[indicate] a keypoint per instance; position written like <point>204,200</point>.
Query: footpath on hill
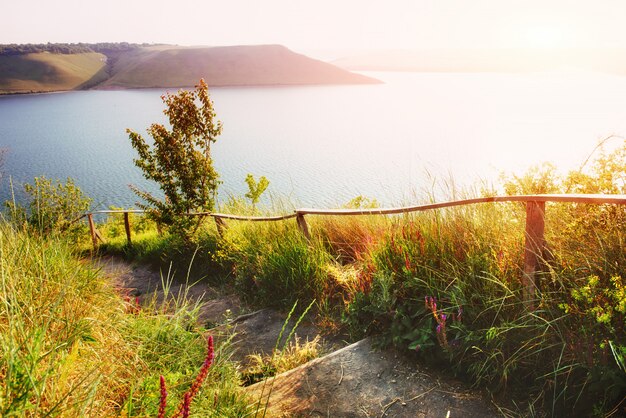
<point>354,380</point>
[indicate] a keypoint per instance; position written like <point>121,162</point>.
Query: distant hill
<point>111,66</point>
<point>44,71</point>
<point>488,60</point>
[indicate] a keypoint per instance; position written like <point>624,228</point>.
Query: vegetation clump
<point>53,206</point>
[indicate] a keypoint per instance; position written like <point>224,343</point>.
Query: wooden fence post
<point>92,231</point>
<point>303,226</point>
<point>221,225</point>
<point>534,247</point>
<point>127,227</point>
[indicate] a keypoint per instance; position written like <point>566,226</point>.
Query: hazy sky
<point>320,24</point>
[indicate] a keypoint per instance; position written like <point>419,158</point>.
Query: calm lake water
<point>321,146</point>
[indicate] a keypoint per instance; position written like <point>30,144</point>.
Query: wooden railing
<point>534,233</point>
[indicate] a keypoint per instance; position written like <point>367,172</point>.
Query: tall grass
<point>468,260</point>
<point>273,263</point>
<point>565,356</point>
<point>61,348</point>
<point>70,345</point>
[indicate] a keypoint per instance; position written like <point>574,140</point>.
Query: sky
<point>318,25</point>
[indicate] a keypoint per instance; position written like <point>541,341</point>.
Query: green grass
<point>368,276</point>
<point>43,72</point>
<point>70,345</point>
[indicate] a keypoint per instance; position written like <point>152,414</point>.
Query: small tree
<point>256,189</point>
<point>180,159</point>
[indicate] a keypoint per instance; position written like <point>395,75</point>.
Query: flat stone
<point>359,381</point>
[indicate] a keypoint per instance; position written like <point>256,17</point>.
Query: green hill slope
<point>166,66</point>
<point>44,72</point>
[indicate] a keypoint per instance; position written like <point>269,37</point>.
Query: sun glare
<point>544,37</point>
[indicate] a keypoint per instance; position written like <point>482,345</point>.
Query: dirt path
<point>353,381</point>
<point>255,332</point>
<point>142,282</point>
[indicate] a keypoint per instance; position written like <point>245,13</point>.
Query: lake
<point>320,146</point>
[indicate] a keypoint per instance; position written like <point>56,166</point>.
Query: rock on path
<point>358,381</point>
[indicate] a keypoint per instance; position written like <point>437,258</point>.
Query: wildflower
<point>183,408</point>
<point>186,403</point>
<point>163,402</point>
<point>407,262</point>
<point>441,318</point>
<point>441,332</point>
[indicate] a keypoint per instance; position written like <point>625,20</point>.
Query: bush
<point>53,206</point>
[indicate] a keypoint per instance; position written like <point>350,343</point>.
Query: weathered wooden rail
<point>534,233</point>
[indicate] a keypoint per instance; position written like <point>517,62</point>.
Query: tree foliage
<point>256,189</point>
<point>179,159</point>
<point>65,48</point>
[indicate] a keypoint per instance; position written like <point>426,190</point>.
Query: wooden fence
<point>534,233</point>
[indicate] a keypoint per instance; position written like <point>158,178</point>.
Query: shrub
<point>53,206</point>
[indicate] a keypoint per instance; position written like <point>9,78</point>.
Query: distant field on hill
<point>167,66</point>
<point>44,72</point>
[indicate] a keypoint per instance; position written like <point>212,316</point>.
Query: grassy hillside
<point>43,72</point>
<point>224,66</point>
<point>167,66</point>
